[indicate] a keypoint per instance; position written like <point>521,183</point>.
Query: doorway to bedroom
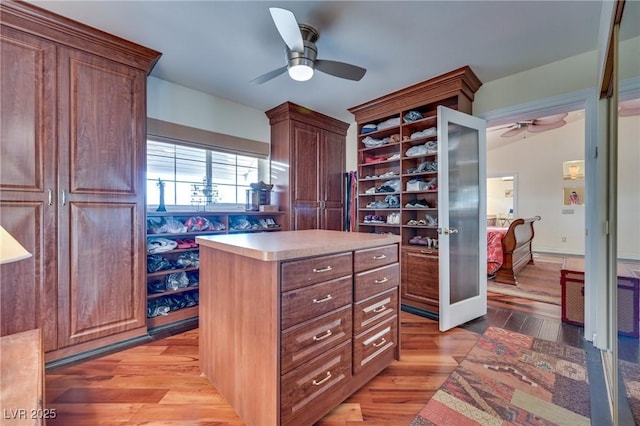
<point>528,176</point>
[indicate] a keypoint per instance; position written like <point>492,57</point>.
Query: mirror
<point>628,197</point>
<point>501,199</point>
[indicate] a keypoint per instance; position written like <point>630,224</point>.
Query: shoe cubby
<point>398,134</point>
<point>173,257</point>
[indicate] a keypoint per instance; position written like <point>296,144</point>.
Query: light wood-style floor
<point>159,383</point>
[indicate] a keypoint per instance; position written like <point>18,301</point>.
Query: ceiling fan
<point>301,52</point>
<point>534,126</point>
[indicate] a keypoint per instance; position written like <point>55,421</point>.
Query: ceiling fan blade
<point>268,76</point>
<point>550,119</point>
<point>537,128</point>
<point>514,131</point>
<point>288,28</point>
<point>506,126</point>
<point>340,69</point>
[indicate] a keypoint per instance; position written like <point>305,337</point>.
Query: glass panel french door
<point>462,217</point>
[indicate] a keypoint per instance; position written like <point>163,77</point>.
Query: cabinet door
<point>305,163</point>
<point>27,178</point>
<point>420,279</point>
<point>331,176</point>
<point>101,214</point>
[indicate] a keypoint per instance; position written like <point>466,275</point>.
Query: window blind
<point>164,131</point>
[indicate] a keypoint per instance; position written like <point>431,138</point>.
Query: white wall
<point>498,203</point>
<point>178,104</point>
<point>171,102</point>
<point>629,187</point>
<point>566,76</point>
<point>537,159</point>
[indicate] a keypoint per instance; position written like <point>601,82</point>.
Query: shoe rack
<point>172,291</point>
<point>398,169</point>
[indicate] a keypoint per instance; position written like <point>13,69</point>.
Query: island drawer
<point>376,341</point>
<point>300,273</point>
<point>375,257</point>
<point>305,303</point>
<point>370,312</point>
<point>310,339</point>
<point>370,283</point>
<point>312,383</point>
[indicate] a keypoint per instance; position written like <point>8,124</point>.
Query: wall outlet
<point>564,239</point>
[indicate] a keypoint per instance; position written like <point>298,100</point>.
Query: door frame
<point>595,321</point>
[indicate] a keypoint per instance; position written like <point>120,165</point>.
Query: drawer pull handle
<point>426,252</point>
<point>324,336</point>
<point>379,309</point>
<point>327,269</point>
<point>324,299</point>
<point>319,382</point>
<point>378,344</point>
<point>380,257</point>
<point>381,281</point>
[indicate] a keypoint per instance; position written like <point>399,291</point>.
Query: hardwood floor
<point>160,382</point>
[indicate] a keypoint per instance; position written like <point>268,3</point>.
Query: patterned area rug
<point>540,281</point>
<point>510,378</point>
<point>631,378</point>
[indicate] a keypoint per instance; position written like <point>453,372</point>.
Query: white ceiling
<point>217,47</point>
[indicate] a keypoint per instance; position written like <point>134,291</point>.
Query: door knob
<point>450,231</point>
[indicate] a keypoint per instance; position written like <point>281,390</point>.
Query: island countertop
<point>285,245</point>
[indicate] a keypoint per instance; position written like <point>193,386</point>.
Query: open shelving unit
<point>401,148</point>
<point>224,223</point>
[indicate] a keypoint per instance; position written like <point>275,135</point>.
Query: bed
<point>509,249</point>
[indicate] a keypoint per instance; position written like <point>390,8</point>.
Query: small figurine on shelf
<point>161,206</point>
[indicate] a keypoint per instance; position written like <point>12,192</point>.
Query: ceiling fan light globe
<point>300,69</point>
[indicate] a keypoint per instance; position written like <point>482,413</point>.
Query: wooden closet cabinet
<point>398,189</point>
<point>307,167</point>
<point>420,286</point>
<point>72,180</point>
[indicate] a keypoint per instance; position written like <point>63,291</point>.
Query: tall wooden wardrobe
<point>307,167</point>
<point>417,175</point>
<point>72,180</point>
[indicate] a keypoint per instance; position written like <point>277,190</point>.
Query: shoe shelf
<point>406,153</point>
<point>164,304</point>
<point>398,134</point>
<point>170,271</point>
<point>151,296</point>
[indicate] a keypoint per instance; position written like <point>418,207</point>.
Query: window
<point>197,177</point>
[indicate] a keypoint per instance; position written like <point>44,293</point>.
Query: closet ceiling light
<point>300,72</point>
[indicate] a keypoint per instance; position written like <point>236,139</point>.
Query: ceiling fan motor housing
<point>307,57</point>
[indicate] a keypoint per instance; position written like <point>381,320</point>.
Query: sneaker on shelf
<point>431,221</point>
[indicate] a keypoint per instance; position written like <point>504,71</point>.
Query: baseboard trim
<point>420,312</point>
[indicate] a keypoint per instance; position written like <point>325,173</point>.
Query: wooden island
<point>292,323</point>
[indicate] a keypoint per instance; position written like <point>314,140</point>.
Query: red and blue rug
<point>510,378</point>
